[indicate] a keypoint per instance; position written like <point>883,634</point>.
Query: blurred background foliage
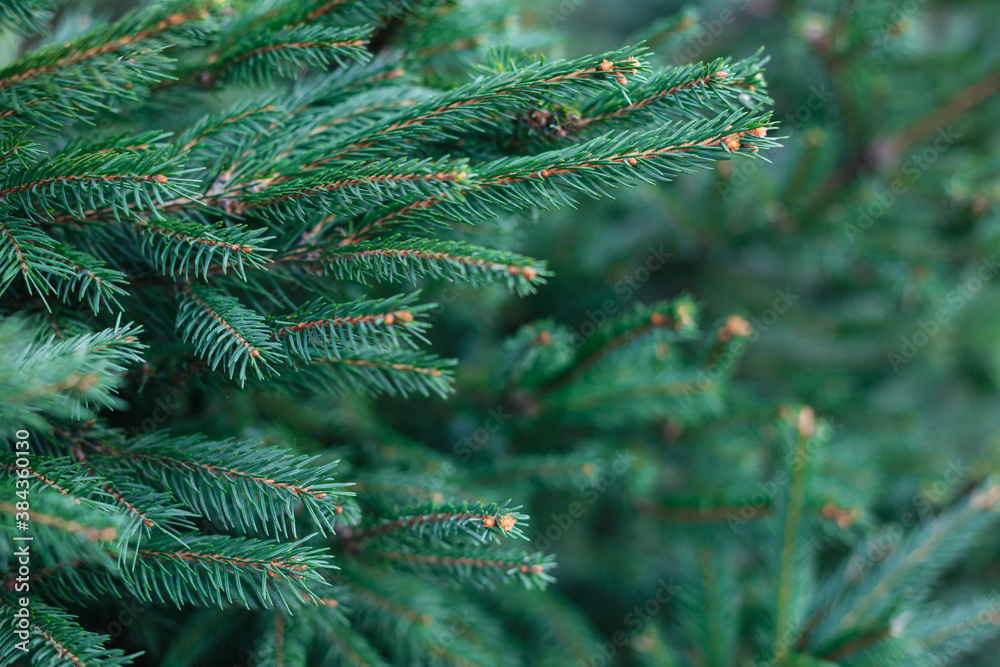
<point>876,215</point>
<point>877,224</point>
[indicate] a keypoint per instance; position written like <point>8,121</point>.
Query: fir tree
<point>215,212</point>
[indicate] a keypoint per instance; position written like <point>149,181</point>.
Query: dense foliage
<point>312,372</point>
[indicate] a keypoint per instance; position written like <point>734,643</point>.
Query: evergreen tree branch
<point>689,91</point>
<point>478,523</point>
<point>482,569</point>
<point>262,57</point>
<point>55,84</point>
<point>28,253</point>
<point>122,182</point>
<point>388,371</point>
<point>321,329</point>
<point>55,640</point>
<point>397,259</point>
<point>479,104</point>
<point>226,333</point>
<point>784,624</point>
<point>62,378</point>
<point>219,570</point>
<point>25,16</point>
<point>218,479</point>
<point>591,168</point>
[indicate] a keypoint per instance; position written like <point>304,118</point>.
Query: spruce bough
<point>244,197</point>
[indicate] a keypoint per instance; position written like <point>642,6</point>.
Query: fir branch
<point>16,151</point>
<point>216,570</point>
<point>181,248</point>
<point>358,112</point>
<point>217,479</point>
<point>344,92</point>
<point>55,640</point>
<point>241,120</point>
<point>124,183</point>
<point>76,534</point>
<point>666,321</point>
<point>56,83</point>
<point>907,570</point>
<point>480,104</point>
<point>691,92</point>
<point>321,329</point>
<point>92,45</point>
<point>349,188</point>
<point>92,281</point>
<point>398,258</point>
<point>25,16</point>
<point>63,475</point>
<point>226,333</point>
<point>948,632</point>
<point>480,522</point>
<point>372,371</point>
<point>263,56</point>
<point>219,570</point>
<point>142,516</point>
<point>287,36</point>
<point>806,428</point>
<point>28,253</point>
<point>62,378</point>
<point>536,355</point>
<point>144,509</point>
<point>591,168</point>
<point>641,381</point>
<point>482,569</point>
